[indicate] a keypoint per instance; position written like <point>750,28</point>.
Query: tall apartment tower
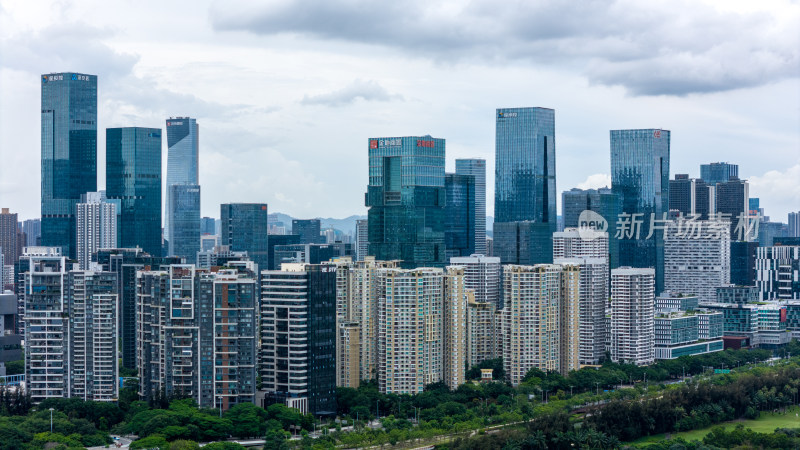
<point>183,152</point>
<point>298,317</point>
<point>406,200</point>
<point>362,239</point>
<point>184,223</point>
<point>196,334</point>
<point>718,172</point>
<point>603,202</point>
<point>794,224</point>
<point>482,278</point>
<point>586,249</point>
<point>640,177</point>
<point>96,226</point>
<point>454,316</point>
<point>125,262</point>
<point>309,231</point>
<point>632,315</point>
<point>91,346</point>
<point>44,295</point>
<point>477,168</point>
<point>357,291</point>
<point>691,196</point>
<point>69,153</point>
<point>531,322</point>
<point>133,178</point>
<point>525,185</point>
<point>697,257</point>
<point>459,231</point>
<point>8,236</point>
<point>422,316</point>
<point>245,227</point>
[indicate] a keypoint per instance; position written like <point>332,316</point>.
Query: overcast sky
<point>287,93</point>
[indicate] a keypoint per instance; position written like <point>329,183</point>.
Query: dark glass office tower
<point>184,207</point>
<point>525,179</point>
<point>133,177</point>
<point>743,263</point>
<point>690,196</point>
<point>182,157</point>
<point>459,231</point>
<point>406,199</point>
<point>208,225</point>
<point>69,153</point>
<point>718,172</point>
<point>732,200</point>
<point>245,227</point>
<point>640,177</point>
<point>276,240</point>
<point>477,168</point>
<point>308,230</point>
<point>602,201</point>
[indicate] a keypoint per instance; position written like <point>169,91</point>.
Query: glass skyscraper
<point>406,199</point>
<point>184,207</point>
<point>459,232</point>
<point>245,227</point>
<point>69,153</point>
<point>525,184</point>
<point>602,201</point>
<point>308,230</point>
<point>477,168</point>
<point>640,177</point>
<point>718,172</point>
<point>182,157</point>
<point>133,177</point>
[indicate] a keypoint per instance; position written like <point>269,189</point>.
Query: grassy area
<point>764,424</point>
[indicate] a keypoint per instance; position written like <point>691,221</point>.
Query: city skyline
<point>265,128</point>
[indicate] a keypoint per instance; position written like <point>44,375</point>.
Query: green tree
<point>154,441</point>
<point>248,420</point>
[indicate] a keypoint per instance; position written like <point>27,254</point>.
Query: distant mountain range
<point>346,225</point>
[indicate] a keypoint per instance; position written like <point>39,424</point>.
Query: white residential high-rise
<point>580,243</point>
<point>454,307</point>
<point>591,312</point>
<point>483,331</point>
<point>531,334</point>
<point>482,275</point>
<point>422,328</point>
<point>633,315</point>
<point>92,359</point>
<point>357,292</point>
<point>410,329</point>
<point>44,293</point>
<point>588,249</point>
<point>697,257</point>
<point>96,226</point>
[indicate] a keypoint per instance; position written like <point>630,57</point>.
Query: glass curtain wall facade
<point>718,172</point>
<point>525,179</point>
<point>184,207</point>
<point>477,168</point>
<point>640,177</point>
<point>133,177</point>
<point>459,234</point>
<point>245,227</point>
<point>602,201</point>
<point>69,153</point>
<point>182,157</point>
<point>309,231</point>
<point>406,200</point>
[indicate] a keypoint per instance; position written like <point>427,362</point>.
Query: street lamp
<point>51,420</point>
<point>220,406</point>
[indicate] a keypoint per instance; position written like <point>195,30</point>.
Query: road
<point>124,442</point>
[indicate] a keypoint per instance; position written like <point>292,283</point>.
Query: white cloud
<point>596,181</point>
<point>779,191</point>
